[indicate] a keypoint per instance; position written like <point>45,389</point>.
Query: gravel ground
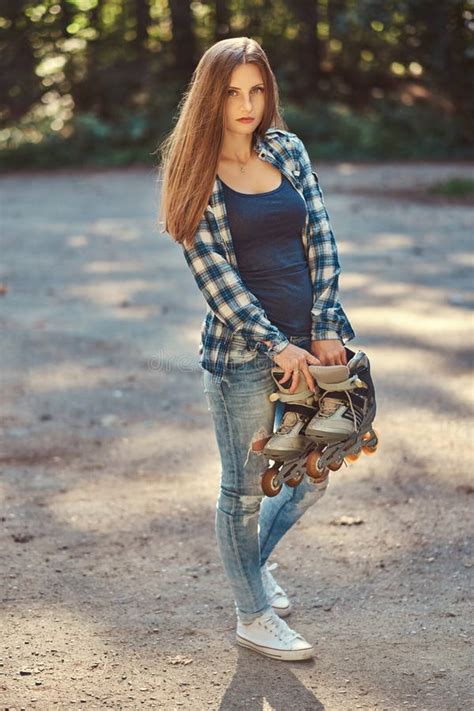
<point>112,591</point>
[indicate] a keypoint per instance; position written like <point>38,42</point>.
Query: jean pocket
<point>238,350</point>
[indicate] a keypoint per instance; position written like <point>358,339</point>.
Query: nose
<point>247,103</point>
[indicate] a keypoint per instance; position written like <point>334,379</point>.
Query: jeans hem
<point>248,617</point>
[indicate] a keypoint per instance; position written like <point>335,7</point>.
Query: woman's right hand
<point>294,360</point>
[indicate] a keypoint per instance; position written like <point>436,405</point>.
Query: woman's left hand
<point>329,352</point>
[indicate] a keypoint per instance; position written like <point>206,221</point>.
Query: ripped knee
<point>259,440</point>
<point>250,505</point>
<point>255,460</point>
<point>245,506</point>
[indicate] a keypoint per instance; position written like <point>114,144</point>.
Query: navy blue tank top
<point>266,233</point>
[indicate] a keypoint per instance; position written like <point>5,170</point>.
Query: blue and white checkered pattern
<point>231,307</point>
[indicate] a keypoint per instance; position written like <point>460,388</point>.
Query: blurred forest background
<point>97,82</point>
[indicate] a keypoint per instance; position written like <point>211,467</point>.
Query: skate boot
<point>344,403</point>
<point>339,431</point>
<point>289,441</point>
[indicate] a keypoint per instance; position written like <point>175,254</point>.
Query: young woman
<point>240,196</point>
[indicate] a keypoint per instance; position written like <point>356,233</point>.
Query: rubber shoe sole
<point>287,655</point>
<point>283,611</point>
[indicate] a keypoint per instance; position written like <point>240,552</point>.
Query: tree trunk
<point>183,42</point>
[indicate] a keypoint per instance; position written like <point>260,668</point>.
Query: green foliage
<point>334,131</point>
<point>454,187</point>
<point>92,142</point>
<point>89,81</point>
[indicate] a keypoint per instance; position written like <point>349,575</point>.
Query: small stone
<point>347,521</point>
<point>179,659</point>
<point>22,537</point>
<point>109,420</point>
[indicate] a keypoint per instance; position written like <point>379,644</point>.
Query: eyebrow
<point>253,87</point>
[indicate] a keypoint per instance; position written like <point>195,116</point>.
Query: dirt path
<point>112,591</point>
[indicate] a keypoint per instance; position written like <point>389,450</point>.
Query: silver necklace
<point>243,165</point>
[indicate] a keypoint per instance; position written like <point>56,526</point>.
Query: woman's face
<point>245,98</point>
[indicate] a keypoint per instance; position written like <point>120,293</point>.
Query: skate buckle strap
<point>349,384</point>
<point>302,397</point>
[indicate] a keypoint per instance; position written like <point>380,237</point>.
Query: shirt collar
<point>261,146</point>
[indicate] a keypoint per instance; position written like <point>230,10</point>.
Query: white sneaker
<point>277,597</point>
<point>271,636</point>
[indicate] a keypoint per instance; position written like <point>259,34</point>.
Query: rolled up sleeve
<point>327,315</point>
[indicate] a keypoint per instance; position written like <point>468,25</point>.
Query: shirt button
<point>296,172</point>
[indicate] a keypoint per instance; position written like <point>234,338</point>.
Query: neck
<point>236,147</point>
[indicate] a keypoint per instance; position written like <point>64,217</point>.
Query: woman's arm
<point>226,294</point>
<point>327,315</point>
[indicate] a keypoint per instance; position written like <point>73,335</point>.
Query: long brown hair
<point>190,152</point>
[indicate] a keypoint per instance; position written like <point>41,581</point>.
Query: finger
<point>312,359</point>
<point>295,381</point>
<point>286,375</point>
<point>308,377</point>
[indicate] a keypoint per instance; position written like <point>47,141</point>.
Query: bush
<point>391,131</point>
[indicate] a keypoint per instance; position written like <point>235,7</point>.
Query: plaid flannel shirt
<point>231,307</point>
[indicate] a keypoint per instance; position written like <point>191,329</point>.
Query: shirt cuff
<point>322,333</point>
<point>278,343</point>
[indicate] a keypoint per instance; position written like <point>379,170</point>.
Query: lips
<point>246,119</point>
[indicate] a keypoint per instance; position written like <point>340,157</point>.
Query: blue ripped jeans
<point>249,524</point>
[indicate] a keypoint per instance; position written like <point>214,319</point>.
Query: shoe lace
<point>289,420</point>
<point>329,405</point>
<point>279,629</point>
<point>269,582</point>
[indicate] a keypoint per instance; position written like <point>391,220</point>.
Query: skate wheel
<point>269,483</point>
<point>294,480</point>
<point>335,466</point>
<point>352,457</point>
<point>312,468</point>
<point>371,436</point>
<point>370,448</point>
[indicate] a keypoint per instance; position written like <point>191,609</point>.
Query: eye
<point>231,92</point>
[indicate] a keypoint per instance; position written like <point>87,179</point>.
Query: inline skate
<point>320,431</point>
